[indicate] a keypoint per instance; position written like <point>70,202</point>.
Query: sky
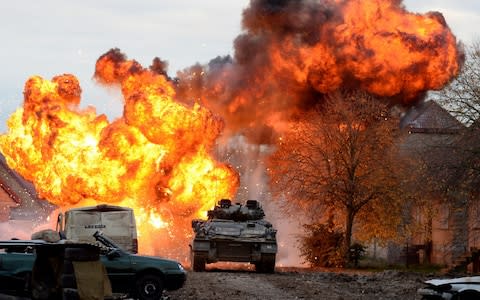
<point>52,37</point>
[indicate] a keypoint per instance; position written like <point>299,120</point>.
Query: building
<point>436,138</point>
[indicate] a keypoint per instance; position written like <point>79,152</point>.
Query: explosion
<point>157,157</point>
<point>292,53</point>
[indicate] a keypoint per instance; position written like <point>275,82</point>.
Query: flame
<point>394,51</point>
<point>374,42</point>
<point>156,158</point>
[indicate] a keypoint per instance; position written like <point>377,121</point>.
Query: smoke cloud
<point>291,53</point>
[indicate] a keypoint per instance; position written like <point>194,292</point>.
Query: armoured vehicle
<point>234,232</point>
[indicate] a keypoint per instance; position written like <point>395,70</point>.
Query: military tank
<point>234,232</point>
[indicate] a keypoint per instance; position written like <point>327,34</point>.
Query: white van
<point>116,222</point>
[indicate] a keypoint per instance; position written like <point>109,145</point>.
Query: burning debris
<point>156,158</point>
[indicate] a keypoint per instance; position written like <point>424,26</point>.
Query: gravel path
<point>299,284</point>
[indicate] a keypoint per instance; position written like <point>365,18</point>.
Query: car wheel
<point>149,287</point>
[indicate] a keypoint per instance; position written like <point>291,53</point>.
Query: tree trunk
<point>348,234</point>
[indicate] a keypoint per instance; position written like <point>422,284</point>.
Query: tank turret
<point>236,212</point>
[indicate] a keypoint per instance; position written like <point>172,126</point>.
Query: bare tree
<point>462,96</point>
<point>462,99</point>
<point>339,160</point>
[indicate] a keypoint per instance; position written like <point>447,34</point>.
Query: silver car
<point>462,288</point>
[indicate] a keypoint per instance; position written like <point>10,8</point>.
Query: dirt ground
<point>290,283</point>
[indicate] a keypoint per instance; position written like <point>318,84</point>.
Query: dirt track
<point>299,284</point>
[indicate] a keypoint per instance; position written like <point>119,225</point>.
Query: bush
<point>322,245</point>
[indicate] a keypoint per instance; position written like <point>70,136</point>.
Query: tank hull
<point>215,250</point>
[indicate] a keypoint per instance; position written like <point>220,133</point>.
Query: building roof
<point>22,192</point>
<point>430,117</point>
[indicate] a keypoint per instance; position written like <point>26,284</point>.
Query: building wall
<point>474,225</point>
<point>455,230</point>
<point>442,236</point>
